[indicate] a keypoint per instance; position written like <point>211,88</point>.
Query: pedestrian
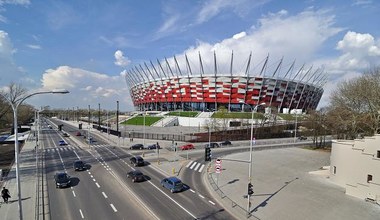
<point>5,194</point>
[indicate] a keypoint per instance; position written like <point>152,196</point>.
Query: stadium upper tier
<point>297,89</point>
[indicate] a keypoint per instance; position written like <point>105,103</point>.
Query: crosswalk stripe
<point>192,166</point>
<point>200,170</point>
<point>187,166</point>
<point>197,166</point>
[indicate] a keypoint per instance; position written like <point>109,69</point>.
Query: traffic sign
<point>218,166</point>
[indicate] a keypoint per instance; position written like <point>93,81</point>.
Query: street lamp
<point>144,127</point>
<point>15,104</point>
<point>254,109</point>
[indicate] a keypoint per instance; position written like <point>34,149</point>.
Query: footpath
<point>28,181</point>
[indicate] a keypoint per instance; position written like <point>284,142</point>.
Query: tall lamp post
<point>144,127</point>
<point>254,109</point>
<point>15,104</point>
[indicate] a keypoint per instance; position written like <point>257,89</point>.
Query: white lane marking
<point>201,196</point>
<point>192,191</point>
<point>97,185</point>
<point>81,214</point>
<point>104,194</point>
<point>197,166</point>
<point>187,166</point>
<point>76,154</point>
<point>113,207</point>
<point>200,170</point>
<point>91,176</point>
<point>74,194</point>
<point>93,179</point>
<point>192,166</point>
<point>188,212</point>
<point>89,172</point>
<point>211,202</point>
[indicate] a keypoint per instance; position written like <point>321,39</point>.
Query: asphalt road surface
<point>104,192</point>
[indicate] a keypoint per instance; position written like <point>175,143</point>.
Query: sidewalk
<point>27,164</point>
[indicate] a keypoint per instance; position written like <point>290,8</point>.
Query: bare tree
<point>355,106</point>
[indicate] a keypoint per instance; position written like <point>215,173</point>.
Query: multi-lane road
<point>104,192</point>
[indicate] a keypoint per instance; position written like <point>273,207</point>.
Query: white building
<point>355,165</point>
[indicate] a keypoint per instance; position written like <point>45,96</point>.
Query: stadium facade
<point>165,86</point>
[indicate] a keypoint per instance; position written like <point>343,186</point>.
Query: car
<point>79,165</point>
<point>153,146</point>
<point>173,184</point>
<point>62,180</point>
<point>137,161</point>
<point>187,147</point>
<point>212,145</point>
<point>225,143</point>
<point>136,176</point>
<point>90,140</point>
<point>78,134</point>
<point>302,138</point>
<point>137,146</point>
<point>65,135</point>
<point>62,142</point>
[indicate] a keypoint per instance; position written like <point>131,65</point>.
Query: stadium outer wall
<point>208,93</point>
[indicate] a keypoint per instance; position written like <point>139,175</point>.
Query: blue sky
<point>87,46</point>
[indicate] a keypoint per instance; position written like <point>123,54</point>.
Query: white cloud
<point>297,37</point>
<point>359,52</point>
<point>211,8</point>
<point>121,60</point>
<point>86,88</point>
<point>10,72</point>
<point>34,46</point>
<point>239,35</point>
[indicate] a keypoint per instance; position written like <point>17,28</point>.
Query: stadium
<point>170,85</point>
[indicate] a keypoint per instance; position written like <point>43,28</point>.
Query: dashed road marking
<point>113,207</point>
<point>81,214</point>
<point>97,185</point>
<point>201,196</point>
<point>192,191</point>
<point>211,202</point>
<point>74,194</point>
<point>104,194</point>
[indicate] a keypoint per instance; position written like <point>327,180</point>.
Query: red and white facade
<point>210,91</point>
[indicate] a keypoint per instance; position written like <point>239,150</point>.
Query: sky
<point>88,46</point>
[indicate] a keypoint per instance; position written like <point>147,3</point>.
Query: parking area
<point>284,188</point>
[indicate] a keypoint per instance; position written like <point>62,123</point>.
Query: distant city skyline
<point>87,47</point>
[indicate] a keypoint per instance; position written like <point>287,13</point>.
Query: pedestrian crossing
<point>196,166</point>
<point>61,149</point>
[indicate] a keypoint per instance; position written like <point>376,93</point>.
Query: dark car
<point>173,184</point>
<point>212,145</point>
<point>136,176</point>
<point>78,134</point>
<point>137,161</point>
<point>62,180</point>
<point>225,143</point>
<point>137,146</point>
<point>79,165</point>
<point>302,138</point>
<point>187,147</point>
<point>62,142</point>
<point>153,146</point>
